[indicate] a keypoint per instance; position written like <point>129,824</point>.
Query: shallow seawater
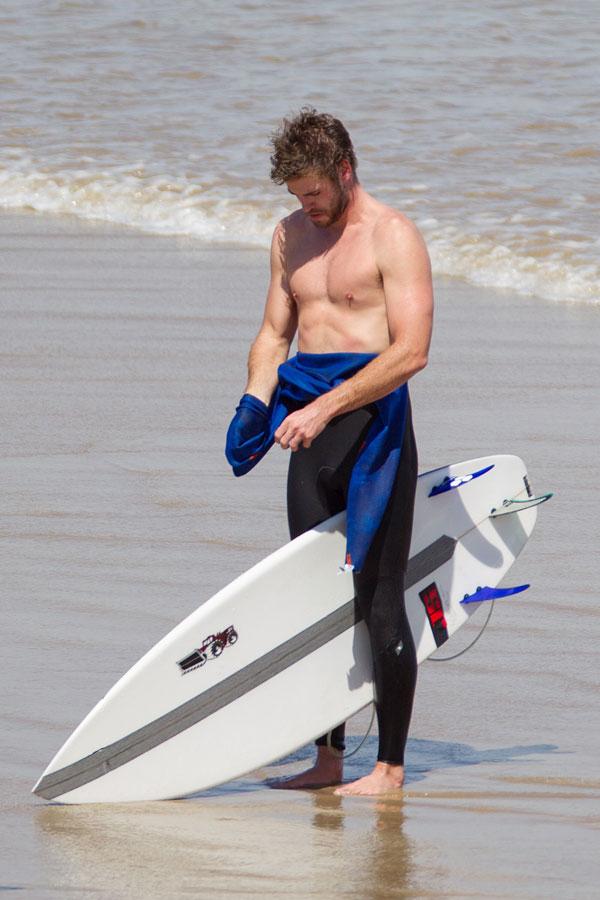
<point>478,120</point>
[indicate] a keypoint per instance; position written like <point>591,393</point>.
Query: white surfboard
<point>280,656</point>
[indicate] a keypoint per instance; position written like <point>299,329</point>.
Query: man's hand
<point>300,428</point>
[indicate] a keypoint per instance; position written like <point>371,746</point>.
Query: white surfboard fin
<point>514,505</point>
<point>489,593</point>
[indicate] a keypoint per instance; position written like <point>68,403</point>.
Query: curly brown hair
<point>310,142</point>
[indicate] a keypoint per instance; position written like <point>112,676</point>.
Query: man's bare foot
<point>383,779</point>
<point>328,769</point>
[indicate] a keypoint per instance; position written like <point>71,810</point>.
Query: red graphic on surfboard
<point>211,647</point>
<point>435,613</point>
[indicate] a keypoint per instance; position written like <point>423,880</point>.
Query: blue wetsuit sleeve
<point>248,435</point>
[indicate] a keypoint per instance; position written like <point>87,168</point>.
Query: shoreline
<point>70,223</point>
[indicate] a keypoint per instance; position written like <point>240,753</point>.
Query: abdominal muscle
<point>335,331</point>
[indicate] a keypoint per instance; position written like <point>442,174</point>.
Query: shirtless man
<point>351,276</point>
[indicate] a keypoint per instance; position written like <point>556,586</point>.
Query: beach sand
<point>122,359</point>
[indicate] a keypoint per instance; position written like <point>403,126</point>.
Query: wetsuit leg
<point>317,488</point>
<point>380,594</point>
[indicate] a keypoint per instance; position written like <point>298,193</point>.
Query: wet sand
<point>122,357</point>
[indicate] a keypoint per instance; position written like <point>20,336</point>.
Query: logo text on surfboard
<point>211,647</point>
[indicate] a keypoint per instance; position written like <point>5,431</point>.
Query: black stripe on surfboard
<point>122,751</point>
<point>428,560</point>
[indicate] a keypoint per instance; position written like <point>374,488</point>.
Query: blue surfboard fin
<point>489,593</point>
<point>451,482</point>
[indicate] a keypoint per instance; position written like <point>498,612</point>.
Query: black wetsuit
<point>317,489</point>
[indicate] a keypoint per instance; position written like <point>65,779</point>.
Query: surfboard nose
<point>38,788</point>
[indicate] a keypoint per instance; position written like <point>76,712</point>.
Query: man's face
<point>322,199</point>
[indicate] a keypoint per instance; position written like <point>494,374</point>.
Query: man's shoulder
<point>396,240</point>
<point>287,232</point>
<point>390,222</point>
<point>394,231</point>
<point>292,224</point>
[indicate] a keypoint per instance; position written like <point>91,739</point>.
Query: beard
<point>336,210</point>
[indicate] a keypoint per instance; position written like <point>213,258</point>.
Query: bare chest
<point>344,275</point>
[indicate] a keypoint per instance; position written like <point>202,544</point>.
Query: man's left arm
<point>405,269</point>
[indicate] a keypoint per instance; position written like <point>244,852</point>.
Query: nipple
<point>349,298</point>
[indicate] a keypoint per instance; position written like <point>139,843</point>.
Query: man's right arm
<point>272,343</point>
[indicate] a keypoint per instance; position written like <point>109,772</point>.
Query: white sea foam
<point>214,214</point>
<point>160,205</point>
<point>481,261</point>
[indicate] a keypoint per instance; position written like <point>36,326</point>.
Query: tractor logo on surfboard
<point>211,647</point>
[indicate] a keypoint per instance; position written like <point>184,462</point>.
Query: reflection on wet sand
<point>301,844</point>
<point>244,837</point>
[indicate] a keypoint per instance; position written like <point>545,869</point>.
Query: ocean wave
<point>225,213</point>
<point>481,261</point>
<point>153,204</point>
